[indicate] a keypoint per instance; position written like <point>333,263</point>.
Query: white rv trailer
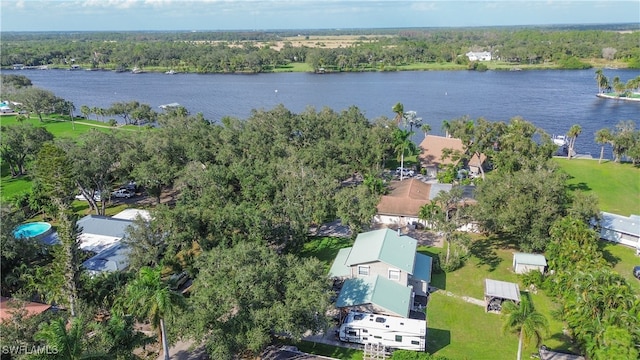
<point>393,332</point>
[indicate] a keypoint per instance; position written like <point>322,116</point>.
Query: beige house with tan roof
<point>432,148</point>
<point>402,205</point>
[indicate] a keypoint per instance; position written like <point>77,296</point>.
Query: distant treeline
<point>372,49</point>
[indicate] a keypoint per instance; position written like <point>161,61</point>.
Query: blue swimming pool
<point>32,230</point>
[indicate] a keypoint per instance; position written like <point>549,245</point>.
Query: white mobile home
<point>390,331</point>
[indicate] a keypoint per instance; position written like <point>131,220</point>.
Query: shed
<point>496,292</point>
<point>524,262</point>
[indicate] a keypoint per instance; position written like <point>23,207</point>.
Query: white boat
<point>560,140</point>
<point>169,106</point>
<point>171,72</point>
<point>137,71</point>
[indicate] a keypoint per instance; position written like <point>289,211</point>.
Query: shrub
<point>533,277</point>
<point>113,122</point>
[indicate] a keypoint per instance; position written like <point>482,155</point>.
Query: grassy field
<point>61,129</point>
<point>616,185</point>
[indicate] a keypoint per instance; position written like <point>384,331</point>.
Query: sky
<point>169,15</point>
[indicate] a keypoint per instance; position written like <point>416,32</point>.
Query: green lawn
<point>457,329</point>
<point>60,128</point>
<point>616,185</point>
<point>10,186</point>
<point>623,259</point>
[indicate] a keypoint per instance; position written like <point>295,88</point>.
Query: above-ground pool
<point>32,230</point>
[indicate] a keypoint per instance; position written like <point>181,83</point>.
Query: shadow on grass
<point>582,186</point>
<point>484,250</point>
<point>437,339</point>
<point>325,249</point>
<point>607,255</point>
<point>439,280</point>
<point>438,277</point>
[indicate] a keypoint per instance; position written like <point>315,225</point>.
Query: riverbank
<point>634,97</point>
<point>307,68</point>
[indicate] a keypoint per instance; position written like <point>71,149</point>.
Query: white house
<point>102,235</point>
<point>479,56</point>
<point>523,262</point>
<point>620,229</point>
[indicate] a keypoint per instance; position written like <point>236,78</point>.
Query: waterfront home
<point>479,56</point>
<point>431,157</point>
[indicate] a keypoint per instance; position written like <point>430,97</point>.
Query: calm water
<point>552,100</point>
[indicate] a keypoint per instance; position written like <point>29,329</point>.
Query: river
<point>551,99</point>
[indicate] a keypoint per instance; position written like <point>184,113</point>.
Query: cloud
<point>110,4</point>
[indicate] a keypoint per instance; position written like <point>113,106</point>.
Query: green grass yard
<point>458,329</point>
<point>61,129</point>
<point>616,185</point>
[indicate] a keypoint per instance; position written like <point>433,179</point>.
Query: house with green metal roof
<point>382,273</point>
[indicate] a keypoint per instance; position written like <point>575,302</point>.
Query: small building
<point>620,229</point>
<point>523,263</point>
<point>496,292</point>
<point>479,55</point>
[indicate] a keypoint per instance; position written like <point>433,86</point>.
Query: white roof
<point>627,225</point>
<point>367,320</point>
<point>131,214</point>
<point>502,290</point>
<point>530,259</point>
<point>96,243</point>
<point>114,258</point>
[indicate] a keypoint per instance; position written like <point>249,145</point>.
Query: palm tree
<point>573,133</point>
<point>524,320</point>
<point>601,80</point>
<point>603,136</point>
<point>446,126</point>
<point>403,145</point>
<point>70,344</point>
<point>149,296</point>
<point>425,128</point>
<point>429,213</point>
<point>398,108</point>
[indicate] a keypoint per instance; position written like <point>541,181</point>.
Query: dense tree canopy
<point>245,295</point>
<point>378,49</point>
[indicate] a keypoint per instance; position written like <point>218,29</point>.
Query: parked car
<point>96,196</point>
<point>131,186</point>
<point>123,193</point>
<point>636,272</point>
<point>404,172</point>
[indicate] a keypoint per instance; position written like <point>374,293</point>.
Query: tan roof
<point>8,307</point>
<point>432,148</point>
<point>405,198</point>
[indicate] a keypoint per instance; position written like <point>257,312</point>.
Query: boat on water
<point>137,70</point>
<point>560,140</point>
<point>169,106</point>
<point>171,72</point>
